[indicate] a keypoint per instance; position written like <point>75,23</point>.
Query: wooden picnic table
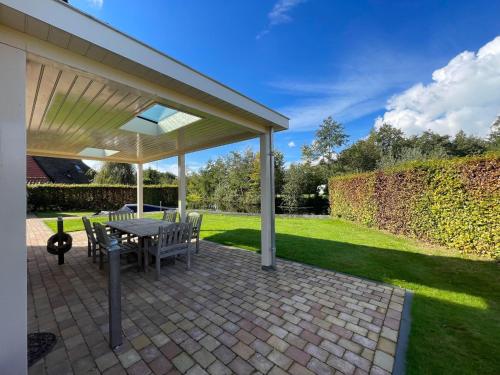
<point>144,229</point>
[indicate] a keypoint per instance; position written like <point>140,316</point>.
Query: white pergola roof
<point>85,80</point>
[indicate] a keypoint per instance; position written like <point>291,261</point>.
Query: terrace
<point>225,315</point>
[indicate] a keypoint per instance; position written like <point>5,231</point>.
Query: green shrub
<point>95,197</point>
<point>454,202</point>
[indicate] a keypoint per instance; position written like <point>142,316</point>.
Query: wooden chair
<point>104,241</point>
<point>170,216</point>
<point>91,240</point>
<point>194,218</point>
<point>173,240</point>
<point>121,215</point>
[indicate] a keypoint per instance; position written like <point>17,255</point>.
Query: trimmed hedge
<point>452,202</point>
<point>95,197</point>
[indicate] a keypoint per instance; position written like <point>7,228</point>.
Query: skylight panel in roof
<point>92,152</point>
<point>157,113</point>
<point>158,120</point>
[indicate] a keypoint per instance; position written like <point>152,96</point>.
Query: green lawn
<point>64,214</point>
<point>456,304</point>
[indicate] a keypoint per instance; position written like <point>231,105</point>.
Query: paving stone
<point>149,353</point>
<point>83,365</point>
<point>342,365</point>
<point>297,369</point>
<point>170,349</point>
<point>115,370</point>
<point>298,355</point>
<point>357,361</point>
<point>244,336</point>
<point>319,367</point>
<point>209,343</point>
<point>241,367</point>
<point>106,361</point>
<point>203,357</point>
<point>224,354</point>
<point>196,370</point>
<point>217,368</point>
<point>387,346</point>
<point>227,339</point>
<point>278,343</point>
<point>383,360</point>
<point>160,339</point>
<point>280,359</point>
<point>316,352</point>
<point>183,362</point>
<point>128,358</point>
<point>261,347</point>
<point>139,368</point>
<point>350,345</point>
<point>243,350</point>
<point>276,370</point>
<point>261,363</point>
<point>190,346</point>
<point>161,365</point>
<point>140,342</point>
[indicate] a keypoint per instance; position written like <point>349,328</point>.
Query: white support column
<point>181,160</point>
<point>267,236</point>
<point>140,191</point>
<point>13,275</point>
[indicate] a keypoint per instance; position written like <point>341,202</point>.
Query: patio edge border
<point>403,335</point>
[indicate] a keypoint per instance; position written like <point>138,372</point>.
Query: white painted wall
<point>13,273</point>
<point>181,160</point>
<point>267,236</point>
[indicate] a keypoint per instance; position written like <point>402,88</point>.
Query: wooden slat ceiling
<point>69,110</point>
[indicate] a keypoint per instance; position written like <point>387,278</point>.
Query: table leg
<point>139,255</point>
<point>146,253</point>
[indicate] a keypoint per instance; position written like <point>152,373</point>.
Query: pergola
<point>73,87</point>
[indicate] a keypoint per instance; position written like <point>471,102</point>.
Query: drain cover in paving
<point>39,345</point>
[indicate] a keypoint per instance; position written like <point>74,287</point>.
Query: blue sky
<point>314,58</point>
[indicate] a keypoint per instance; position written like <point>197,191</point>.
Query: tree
<point>279,171</point>
<point>361,156</point>
<point>328,138</point>
<point>301,180</point>
<point>430,143</point>
<point>464,145</point>
<point>232,182</point>
<point>115,173</point>
<point>152,177</point>
<point>494,137</point>
<point>389,140</point>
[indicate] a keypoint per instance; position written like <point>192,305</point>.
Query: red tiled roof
<point>34,174</point>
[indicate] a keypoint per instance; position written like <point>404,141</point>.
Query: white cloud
<point>362,86</point>
<point>96,3</point>
<point>463,95</point>
<point>291,144</point>
<point>94,164</point>
<point>279,14</point>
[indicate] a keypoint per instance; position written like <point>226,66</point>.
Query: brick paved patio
<point>224,316</point>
